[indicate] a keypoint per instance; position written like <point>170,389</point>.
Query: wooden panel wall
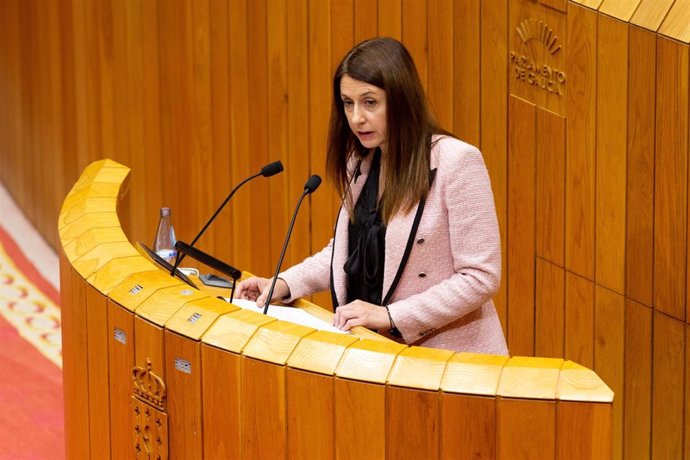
<point>590,174</point>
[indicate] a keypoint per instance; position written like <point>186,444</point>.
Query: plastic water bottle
<point>164,245</point>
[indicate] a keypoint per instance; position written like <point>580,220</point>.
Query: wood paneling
<point>640,181</point>
<point>183,385</point>
<point>263,404</point>
<point>366,20</point>
<point>390,18</point>
<point>357,435</point>
<point>668,387</point>
<point>578,439</point>
<point>74,354</point>
<point>550,186</point>
<point>221,404</point>
<point>638,381</point>
<point>526,429</point>
<point>441,72</point>
<point>310,415</point>
<point>609,353</point>
<point>471,440</point>
<point>494,120</point>
<point>414,35</point>
<point>671,182</point>
<point>521,226</point>
<point>263,259</point>
<point>240,144</point>
<point>412,423</point>
<point>580,140</point>
<point>98,387</point>
<point>612,85</point>
<point>579,320</point>
<point>297,124</point>
<point>120,364</point>
<point>549,323</point>
<point>220,154</point>
<point>466,73</point>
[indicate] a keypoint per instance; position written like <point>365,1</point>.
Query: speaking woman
<point>416,249</point>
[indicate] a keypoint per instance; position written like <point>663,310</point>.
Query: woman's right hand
<point>256,289</point>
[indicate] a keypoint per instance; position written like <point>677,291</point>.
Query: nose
<point>357,114</point>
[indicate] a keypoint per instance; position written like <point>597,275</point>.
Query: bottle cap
<point>165,212</point>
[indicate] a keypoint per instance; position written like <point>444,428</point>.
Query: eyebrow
<point>369,92</point>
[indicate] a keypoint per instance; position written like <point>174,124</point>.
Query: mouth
<point>364,133</point>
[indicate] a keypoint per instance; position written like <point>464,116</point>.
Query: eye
<point>370,103</point>
<point>347,103</point>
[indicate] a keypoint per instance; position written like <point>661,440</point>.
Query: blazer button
<point>422,275</point>
<point>420,241</point>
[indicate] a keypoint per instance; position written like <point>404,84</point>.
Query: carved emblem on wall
<point>537,54</point>
<point>149,420</point>
<point>531,64</point>
<point>535,29</point>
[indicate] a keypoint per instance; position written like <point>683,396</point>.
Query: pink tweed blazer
<point>443,298</point>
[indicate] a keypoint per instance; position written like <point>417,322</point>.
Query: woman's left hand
<point>359,313</point>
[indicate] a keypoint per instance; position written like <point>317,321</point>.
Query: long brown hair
<point>386,64</point>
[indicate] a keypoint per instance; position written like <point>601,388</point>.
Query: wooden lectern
<point>154,369</point>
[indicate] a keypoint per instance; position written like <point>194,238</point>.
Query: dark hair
<point>386,64</point>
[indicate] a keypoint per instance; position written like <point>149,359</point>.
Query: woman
<point>416,249</point>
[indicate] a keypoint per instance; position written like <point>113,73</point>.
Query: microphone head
<point>312,184</point>
<point>272,169</point>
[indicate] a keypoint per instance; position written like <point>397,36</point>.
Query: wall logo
<point>535,29</point>
<point>531,64</point>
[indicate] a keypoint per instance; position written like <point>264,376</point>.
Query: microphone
<point>310,187</point>
<point>267,171</point>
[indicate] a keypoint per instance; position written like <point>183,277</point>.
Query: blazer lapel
<point>398,233</point>
<point>342,234</point>
<point>397,253</point>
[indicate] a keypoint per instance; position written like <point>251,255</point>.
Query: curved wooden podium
<point>154,369</point>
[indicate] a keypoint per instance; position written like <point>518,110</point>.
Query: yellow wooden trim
<point>593,4</point>
<point>320,352</point>
<point>473,373</point>
<point>233,330</point>
<point>92,190</point>
<point>89,174</point>
<point>110,172</point>
<point>89,205</point>
<point>619,9</point>
<point>578,383</point>
<point>160,307</point>
<point>275,341</point>
<point>87,222</point>
<point>195,317</point>
<point>92,238</point>
<point>676,25</point>
<point>96,258</point>
<point>369,360</point>
<point>531,378</point>
<point>651,13</point>
<point>138,287</point>
<point>117,270</point>
<point>419,367</point>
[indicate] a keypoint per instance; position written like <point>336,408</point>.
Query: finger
<point>342,321</point>
<point>261,299</point>
<point>352,322</point>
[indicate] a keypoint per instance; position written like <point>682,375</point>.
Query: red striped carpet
<point>31,410</point>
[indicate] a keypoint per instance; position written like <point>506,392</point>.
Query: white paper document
<point>291,314</point>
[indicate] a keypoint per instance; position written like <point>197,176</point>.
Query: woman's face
<point>365,109</point>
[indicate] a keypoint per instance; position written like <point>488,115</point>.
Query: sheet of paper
<point>291,314</point>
